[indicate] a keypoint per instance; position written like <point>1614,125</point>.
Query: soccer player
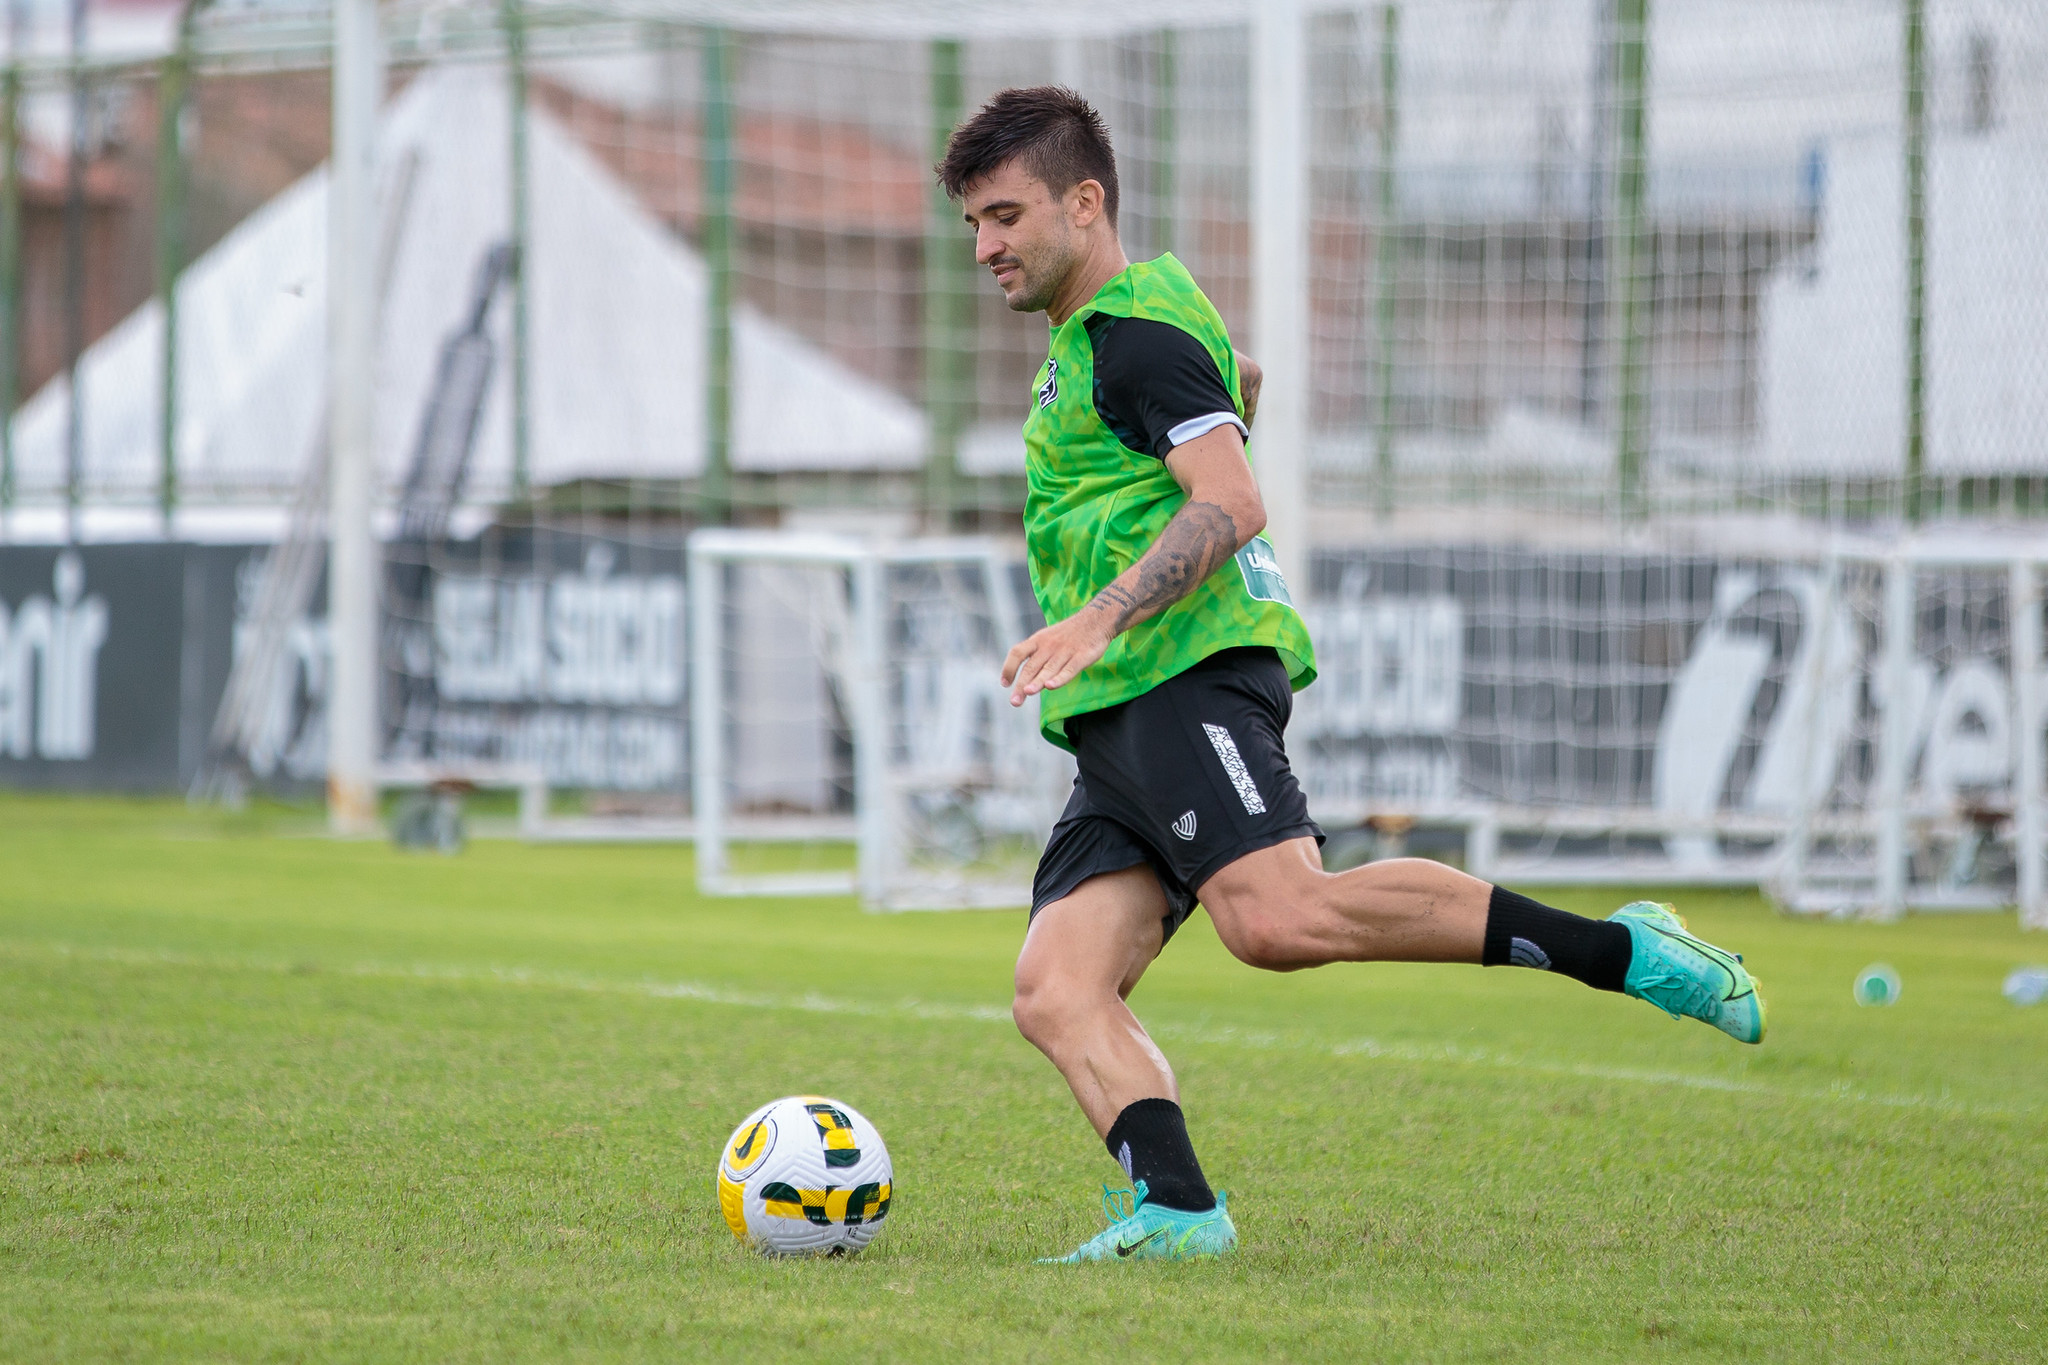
<point>1168,670</point>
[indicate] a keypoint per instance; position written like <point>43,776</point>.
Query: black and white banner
<point>557,652</point>
<point>112,658</point>
<point>1677,685</point>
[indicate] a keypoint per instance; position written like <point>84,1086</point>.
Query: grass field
<point>266,1097</point>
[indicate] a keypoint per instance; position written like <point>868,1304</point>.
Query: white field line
<point>812,1003</point>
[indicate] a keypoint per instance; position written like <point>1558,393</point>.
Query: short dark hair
<point>1055,133</point>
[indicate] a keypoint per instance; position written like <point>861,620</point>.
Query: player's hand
<point>1054,655</point>
<point>1249,377</point>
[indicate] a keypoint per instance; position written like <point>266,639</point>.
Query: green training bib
<point>1095,506</point>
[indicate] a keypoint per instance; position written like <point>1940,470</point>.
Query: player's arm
<point>1223,512</point>
<point>1249,378</point>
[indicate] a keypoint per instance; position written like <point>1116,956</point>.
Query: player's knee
<point>1262,934</point>
<point>1269,917</point>
<point>1039,1007</point>
<point>1273,950</point>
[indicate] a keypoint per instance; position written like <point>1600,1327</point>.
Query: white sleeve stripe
<point>1202,426</point>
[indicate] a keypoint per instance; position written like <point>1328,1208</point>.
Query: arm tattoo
<point>1193,546</point>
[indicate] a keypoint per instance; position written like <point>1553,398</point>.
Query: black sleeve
<point>1150,377</point>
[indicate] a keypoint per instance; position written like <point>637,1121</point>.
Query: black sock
<point>1150,1141</point>
<point>1525,933</point>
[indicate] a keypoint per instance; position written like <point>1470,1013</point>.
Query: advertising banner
<point>564,653</point>
<point>112,658</point>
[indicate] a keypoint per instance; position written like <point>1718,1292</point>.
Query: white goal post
<point>1925,740</point>
<point>844,699</point>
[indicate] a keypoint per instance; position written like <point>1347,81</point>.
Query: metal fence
<point>1604,257</point>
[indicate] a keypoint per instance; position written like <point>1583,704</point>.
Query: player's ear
<point>1084,203</point>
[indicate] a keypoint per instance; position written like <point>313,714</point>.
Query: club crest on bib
<point>1050,389</point>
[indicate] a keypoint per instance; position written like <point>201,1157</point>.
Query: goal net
<point>1860,731</point>
<point>848,728</point>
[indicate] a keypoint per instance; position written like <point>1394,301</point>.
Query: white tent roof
<point>616,327</point>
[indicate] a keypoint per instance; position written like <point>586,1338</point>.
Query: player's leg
<point>1081,958</point>
<point>1203,757</point>
<point>1083,955</point>
<point>1277,908</point>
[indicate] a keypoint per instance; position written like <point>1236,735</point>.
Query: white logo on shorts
<point>1233,767</point>
<point>1185,826</point>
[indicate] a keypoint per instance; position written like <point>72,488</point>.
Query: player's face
<point>1024,234</point>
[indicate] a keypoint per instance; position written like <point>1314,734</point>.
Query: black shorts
<point>1187,778</point>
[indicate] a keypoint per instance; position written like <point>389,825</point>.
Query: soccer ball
<point>804,1176</point>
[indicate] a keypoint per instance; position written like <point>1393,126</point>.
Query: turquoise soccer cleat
<point>1684,975</point>
<point>1139,1231</point>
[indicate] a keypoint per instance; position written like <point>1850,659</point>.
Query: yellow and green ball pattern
<point>805,1176</point>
